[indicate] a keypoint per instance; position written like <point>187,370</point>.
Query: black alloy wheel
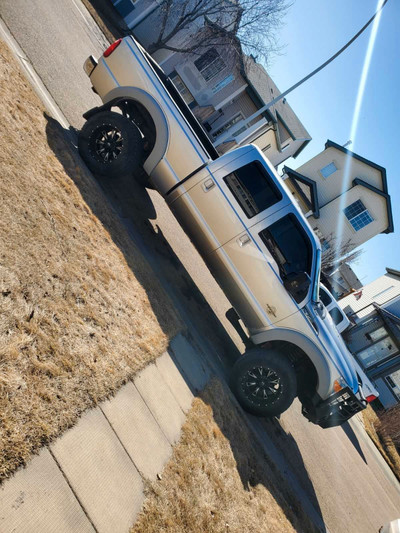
<point>111,145</point>
<point>261,385</point>
<point>264,382</point>
<point>106,143</point>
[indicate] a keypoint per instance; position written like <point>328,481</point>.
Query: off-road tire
<point>111,145</point>
<point>264,382</point>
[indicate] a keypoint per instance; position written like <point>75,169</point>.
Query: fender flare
<point>312,351</point>
<point>150,104</point>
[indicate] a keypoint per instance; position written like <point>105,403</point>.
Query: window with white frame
<point>183,90</point>
<point>358,215</point>
<point>328,170</point>
<point>209,64</point>
<point>377,352</point>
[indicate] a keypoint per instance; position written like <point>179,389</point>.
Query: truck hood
<point>334,346</point>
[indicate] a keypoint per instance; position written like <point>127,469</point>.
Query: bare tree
<point>253,22</point>
<point>332,257</point>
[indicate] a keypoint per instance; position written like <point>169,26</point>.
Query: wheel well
<point>136,112</point>
<point>307,376</point>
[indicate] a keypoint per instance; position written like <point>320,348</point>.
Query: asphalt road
<point>338,472</point>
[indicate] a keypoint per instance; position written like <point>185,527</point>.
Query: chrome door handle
<point>208,184</point>
<point>243,240</point>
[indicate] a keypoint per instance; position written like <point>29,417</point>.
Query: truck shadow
<point>135,209</point>
<point>134,206</point>
<point>354,440</point>
<point>258,464</point>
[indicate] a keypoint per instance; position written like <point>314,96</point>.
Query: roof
<point>358,181</point>
<point>266,90</point>
<point>393,272</point>
<point>386,314</point>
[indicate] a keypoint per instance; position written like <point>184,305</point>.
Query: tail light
<point>111,48</point>
<point>371,398</point>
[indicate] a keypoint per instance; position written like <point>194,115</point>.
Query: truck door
<point>246,267</point>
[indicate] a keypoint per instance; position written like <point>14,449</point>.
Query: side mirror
<point>297,284</point>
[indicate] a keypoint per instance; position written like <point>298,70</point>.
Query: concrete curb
<point>92,478</point>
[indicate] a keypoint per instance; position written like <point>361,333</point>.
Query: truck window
<point>253,188</point>
<point>289,245</point>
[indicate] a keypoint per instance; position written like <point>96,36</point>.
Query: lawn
<point>80,310</point>
<point>219,480</point>
<point>381,440</point>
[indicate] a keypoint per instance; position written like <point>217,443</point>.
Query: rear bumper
<point>335,410</point>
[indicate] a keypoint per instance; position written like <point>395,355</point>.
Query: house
<point>221,85</point>
<point>374,338</point>
<point>344,196</point>
<point>342,279</point>
<point>285,136</point>
<point>225,89</point>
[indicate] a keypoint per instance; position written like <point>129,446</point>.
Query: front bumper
<point>335,410</point>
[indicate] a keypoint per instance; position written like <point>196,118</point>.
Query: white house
<point>344,196</point>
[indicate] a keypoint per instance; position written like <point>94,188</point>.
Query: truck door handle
<point>243,240</point>
<point>208,184</point>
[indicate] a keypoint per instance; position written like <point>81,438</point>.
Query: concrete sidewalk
<point>92,478</point>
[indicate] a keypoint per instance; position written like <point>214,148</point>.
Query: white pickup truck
<point>247,227</point>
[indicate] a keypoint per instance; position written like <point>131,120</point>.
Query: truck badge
<point>271,309</point>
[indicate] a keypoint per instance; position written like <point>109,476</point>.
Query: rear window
<point>253,188</point>
<point>289,245</point>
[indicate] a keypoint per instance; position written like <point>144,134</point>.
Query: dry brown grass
<point>389,424</point>
<point>75,320</point>
<point>381,440</point>
<point>218,479</point>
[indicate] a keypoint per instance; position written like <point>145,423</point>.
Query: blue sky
<point>313,31</point>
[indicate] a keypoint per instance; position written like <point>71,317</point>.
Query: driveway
<point>337,473</point>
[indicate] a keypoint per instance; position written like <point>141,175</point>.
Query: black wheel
<point>264,382</point>
<point>110,144</point>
